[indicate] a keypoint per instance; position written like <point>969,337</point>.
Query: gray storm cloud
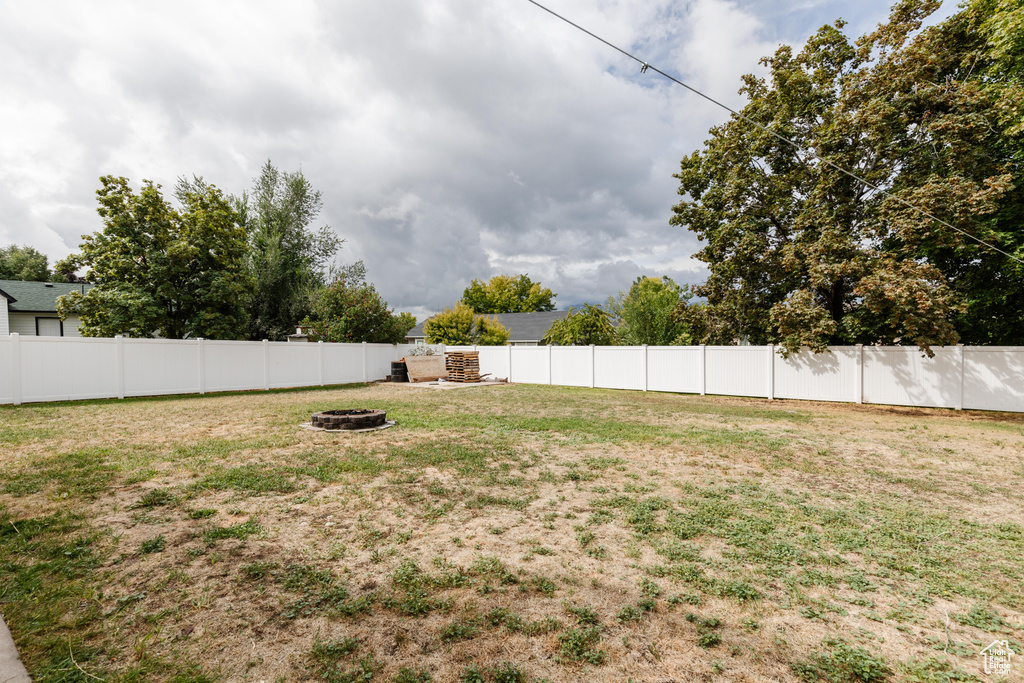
<point>452,140</point>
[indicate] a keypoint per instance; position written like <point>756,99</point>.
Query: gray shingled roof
<point>36,297</point>
<point>522,327</point>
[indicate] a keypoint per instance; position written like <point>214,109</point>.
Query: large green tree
<point>508,294</point>
<point>800,253</point>
<point>458,325</point>
<point>582,327</point>
<point>287,259</point>
<point>23,263</point>
<point>344,312</point>
<point>158,270</point>
<point>646,313</point>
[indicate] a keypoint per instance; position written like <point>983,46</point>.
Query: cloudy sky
<point>452,139</point>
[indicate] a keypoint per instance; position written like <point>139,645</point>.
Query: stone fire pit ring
<point>349,419</point>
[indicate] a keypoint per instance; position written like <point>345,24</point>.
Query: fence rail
<point>36,369</point>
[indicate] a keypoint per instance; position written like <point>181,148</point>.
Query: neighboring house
<point>30,308</point>
<point>525,329</point>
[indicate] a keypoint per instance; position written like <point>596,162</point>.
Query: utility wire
<point>644,67</point>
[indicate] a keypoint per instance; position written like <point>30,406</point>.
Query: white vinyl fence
<point>61,369</point>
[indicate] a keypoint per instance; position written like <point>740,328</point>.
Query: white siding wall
<point>5,327</point>
<point>25,324</point>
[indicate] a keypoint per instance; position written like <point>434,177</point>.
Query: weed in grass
<point>256,571</point>
<point>238,531</point>
<point>585,616</point>
<point>628,613</point>
<point>684,599</point>
<point>600,517</point>
<point>543,585</point>
<point>334,650</point>
<point>461,629</point>
<point>933,670</point>
<point>203,513</point>
<point>154,498</point>
<point>706,627</point>
<point>253,479</point>
<point>538,628</point>
<point>406,675</point>
<point>153,545</point>
<point>335,672</point>
<point>581,645</point>
<point>983,617</point>
<point>841,662</point>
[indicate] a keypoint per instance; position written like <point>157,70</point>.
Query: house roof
<point>36,297</point>
<point>522,327</point>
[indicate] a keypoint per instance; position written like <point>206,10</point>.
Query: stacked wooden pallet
<point>462,366</point>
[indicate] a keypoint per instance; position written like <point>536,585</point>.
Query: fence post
<point>266,365</point>
<point>593,367</point>
<point>771,372</point>
<point>645,367</point>
<point>16,368</point>
<point>549,364</point>
<point>320,348</point>
<point>860,374</point>
<point>364,362</point>
<point>119,364</point>
<point>703,370</point>
<point>202,365</point>
<point>510,364</point>
<point>960,372</point>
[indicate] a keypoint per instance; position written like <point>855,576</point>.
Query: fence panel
<point>54,370</point>
<point>155,367</point>
<point>571,366</point>
<point>737,370</point>
<point>232,365</point>
<point>674,368</point>
<point>378,360</point>
<point>619,367</point>
<point>494,361</point>
<point>530,365</point>
<point>994,378</point>
<point>343,363</point>
<point>48,369</point>
<point>903,376</point>
<point>295,365</point>
<point>831,376</point>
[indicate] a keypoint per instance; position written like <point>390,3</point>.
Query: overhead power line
<point>645,67</point>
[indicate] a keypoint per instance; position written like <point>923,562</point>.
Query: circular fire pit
<point>349,419</point>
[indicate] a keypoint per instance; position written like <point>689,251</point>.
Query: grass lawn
<point>509,534</point>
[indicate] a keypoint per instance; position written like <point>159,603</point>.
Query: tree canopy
<point>343,312</point>
<point>800,253</point>
<point>582,327</point>
<point>508,294</point>
<point>646,313</point>
<point>159,270</point>
<point>287,260</point>
<point>23,263</point>
<point>458,325</point>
